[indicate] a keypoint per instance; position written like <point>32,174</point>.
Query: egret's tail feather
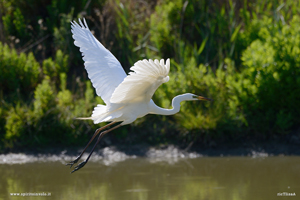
<point>99,113</point>
<point>103,113</point>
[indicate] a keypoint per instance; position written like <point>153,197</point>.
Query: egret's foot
<point>73,162</point>
<point>79,166</point>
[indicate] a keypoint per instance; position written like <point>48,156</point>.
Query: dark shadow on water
<point>284,146</point>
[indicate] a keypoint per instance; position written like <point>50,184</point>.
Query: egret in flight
<point>126,97</point>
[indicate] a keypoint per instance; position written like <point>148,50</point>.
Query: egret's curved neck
<point>154,109</point>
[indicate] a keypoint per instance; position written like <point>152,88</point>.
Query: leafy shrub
<point>15,24</point>
<point>261,99</point>
<point>64,96</point>
<point>272,65</point>
<point>25,121</point>
<point>44,99</point>
<point>53,68</point>
<point>17,72</point>
<point>15,125</point>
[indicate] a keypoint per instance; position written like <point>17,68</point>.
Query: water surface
<point>144,179</point>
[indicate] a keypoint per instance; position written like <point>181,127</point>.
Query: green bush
<point>64,96</point>
<point>44,99</point>
<point>261,99</point>
<point>53,68</point>
<point>15,126</point>
<point>17,72</point>
<point>15,24</point>
<point>272,65</point>
<point>29,19</point>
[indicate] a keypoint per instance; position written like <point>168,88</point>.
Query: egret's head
<point>191,97</point>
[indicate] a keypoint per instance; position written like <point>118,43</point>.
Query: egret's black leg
<point>78,157</point>
<point>93,137</point>
<point>80,165</point>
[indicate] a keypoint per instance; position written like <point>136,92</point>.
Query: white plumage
<point>104,70</point>
<point>118,91</point>
<point>142,82</point>
<point>126,97</point>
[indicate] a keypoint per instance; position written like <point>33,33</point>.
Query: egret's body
<point>126,97</point>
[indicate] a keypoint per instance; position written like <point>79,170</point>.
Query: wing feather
<point>104,70</point>
<point>142,82</point>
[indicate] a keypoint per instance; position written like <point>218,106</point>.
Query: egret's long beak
<point>204,98</point>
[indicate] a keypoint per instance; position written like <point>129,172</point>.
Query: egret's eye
<point>195,96</point>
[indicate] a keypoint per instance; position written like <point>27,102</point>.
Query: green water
<point>143,179</point>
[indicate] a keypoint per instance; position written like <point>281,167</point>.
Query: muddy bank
<point>107,155</point>
<point>112,154</point>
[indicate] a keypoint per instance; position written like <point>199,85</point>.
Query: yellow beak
<point>204,98</point>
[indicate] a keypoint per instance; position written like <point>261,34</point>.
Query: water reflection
<point>143,179</point>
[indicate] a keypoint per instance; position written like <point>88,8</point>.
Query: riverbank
<point>112,154</point>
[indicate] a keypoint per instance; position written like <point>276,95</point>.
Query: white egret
<point>126,97</point>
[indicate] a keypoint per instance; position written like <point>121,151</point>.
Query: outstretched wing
<point>104,70</point>
<point>142,82</point>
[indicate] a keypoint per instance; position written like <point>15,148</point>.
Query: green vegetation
<point>244,55</point>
